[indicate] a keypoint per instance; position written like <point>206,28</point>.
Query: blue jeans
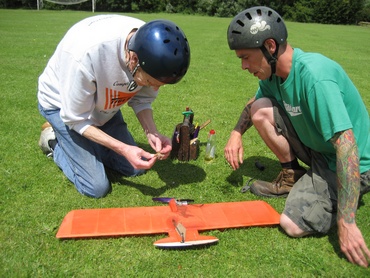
<point>83,161</point>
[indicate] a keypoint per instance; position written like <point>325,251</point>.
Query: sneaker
<point>281,186</point>
<point>47,135</point>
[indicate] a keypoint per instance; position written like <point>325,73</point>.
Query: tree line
<point>308,11</point>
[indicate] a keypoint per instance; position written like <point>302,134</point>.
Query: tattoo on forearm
<point>348,175</point>
<point>245,120</point>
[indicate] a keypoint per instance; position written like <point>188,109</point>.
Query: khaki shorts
<point>312,202</point>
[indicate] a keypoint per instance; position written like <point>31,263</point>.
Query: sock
<point>291,165</point>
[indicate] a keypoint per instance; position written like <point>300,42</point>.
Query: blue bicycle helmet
<point>162,49</point>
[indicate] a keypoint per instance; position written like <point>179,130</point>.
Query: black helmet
<point>162,49</point>
<point>251,27</point>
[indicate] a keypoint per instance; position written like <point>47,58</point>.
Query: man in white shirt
<point>101,63</point>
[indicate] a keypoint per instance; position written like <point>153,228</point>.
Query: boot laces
<point>279,179</point>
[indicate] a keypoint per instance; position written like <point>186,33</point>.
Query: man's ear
<point>134,58</point>
<point>270,45</point>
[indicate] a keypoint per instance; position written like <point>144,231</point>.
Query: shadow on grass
<point>173,174</point>
<point>334,241</point>
<point>333,234</point>
<point>248,169</point>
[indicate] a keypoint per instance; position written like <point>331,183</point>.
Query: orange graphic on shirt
<point>114,98</point>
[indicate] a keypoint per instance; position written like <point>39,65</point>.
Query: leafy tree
<point>301,11</point>
<point>320,11</point>
<point>337,11</point>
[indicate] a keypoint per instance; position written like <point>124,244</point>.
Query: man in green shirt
<point>306,108</point>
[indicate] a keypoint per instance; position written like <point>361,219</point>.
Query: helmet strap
<point>133,85</point>
<point>271,59</point>
<point>135,70</point>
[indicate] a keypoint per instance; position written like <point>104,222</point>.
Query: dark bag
<point>185,142</point>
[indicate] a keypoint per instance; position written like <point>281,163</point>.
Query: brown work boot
<point>280,187</point>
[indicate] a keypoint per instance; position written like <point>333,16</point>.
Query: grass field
<point>35,195</point>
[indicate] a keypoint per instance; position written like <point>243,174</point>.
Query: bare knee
<point>262,111</point>
<point>290,227</point>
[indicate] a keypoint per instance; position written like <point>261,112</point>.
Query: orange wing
<point>181,222</point>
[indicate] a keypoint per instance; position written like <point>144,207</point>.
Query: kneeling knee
<point>96,189</point>
<point>290,227</point>
<point>101,192</point>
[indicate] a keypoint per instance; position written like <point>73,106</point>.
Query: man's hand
<point>161,144</point>
<point>234,150</point>
<point>353,244</point>
<point>139,158</point>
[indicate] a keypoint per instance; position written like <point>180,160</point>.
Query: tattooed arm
<point>348,175</point>
<point>245,119</point>
<point>234,148</point>
<point>351,240</point>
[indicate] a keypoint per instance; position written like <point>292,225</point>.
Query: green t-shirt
<point>321,100</point>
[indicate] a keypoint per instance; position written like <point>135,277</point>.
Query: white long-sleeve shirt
<point>87,77</point>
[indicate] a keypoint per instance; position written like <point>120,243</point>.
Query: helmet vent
<point>252,27</point>
<point>168,56</point>
<point>240,23</point>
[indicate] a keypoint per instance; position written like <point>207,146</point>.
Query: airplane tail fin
<point>192,238</point>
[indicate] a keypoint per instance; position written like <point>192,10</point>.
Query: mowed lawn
<point>35,195</point>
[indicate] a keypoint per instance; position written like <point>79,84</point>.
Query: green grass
<point>35,195</point>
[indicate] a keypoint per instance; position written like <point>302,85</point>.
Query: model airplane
<point>180,219</point>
